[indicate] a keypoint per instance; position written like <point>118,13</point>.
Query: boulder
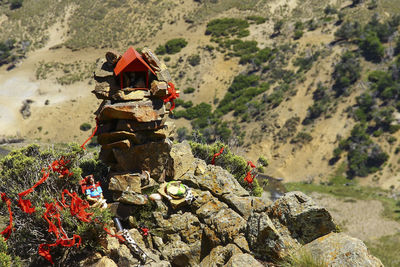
<point>267,241</point>
<point>154,157</point>
<point>302,216</point>
<point>220,255</point>
<point>215,179</point>
<point>182,157</point>
<point>240,260</point>
<point>339,249</point>
<point>125,182</point>
<point>178,254</point>
<point>131,198</point>
<point>104,262</point>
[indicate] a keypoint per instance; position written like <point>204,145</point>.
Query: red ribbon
<point>216,155</point>
<point>249,177</point>
<point>172,94</point>
<point>90,137</point>
<point>7,232</point>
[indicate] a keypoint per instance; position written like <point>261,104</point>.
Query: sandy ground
<point>358,218</point>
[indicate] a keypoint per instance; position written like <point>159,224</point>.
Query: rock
<point>123,144</point>
<point>153,156</point>
<point>134,126</point>
<point>159,89</point>
<point>241,242</point>
<point>124,95</point>
<point>267,241</point>
<point>259,204</point>
<point>339,249</point>
<point>163,74</point>
<point>104,262</point>
<point>240,260</point>
<point>137,138</point>
<point>220,255</point>
<point>182,157</point>
<point>241,205</point>
<point>121,210</point>
<point>228,225</point>
<point>26,108</point>
<point>200,168</point>
<point>132,198</point>
<point>125,257</point>
<point>151,59</point>
<point>177,253</point>
<point>141,111</point>
<point>215,179</point>
<point>158,264</point>
<point>121,182</point>
<point>107,156</point>
<point>305,220</point>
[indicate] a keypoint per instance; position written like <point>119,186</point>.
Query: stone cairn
<point>132,128</point>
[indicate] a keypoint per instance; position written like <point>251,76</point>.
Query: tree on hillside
<point>346,72</point>
<point>349,30</point>
<point>371,46</point>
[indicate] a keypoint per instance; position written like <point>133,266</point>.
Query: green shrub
<point>174,46</point>
<point>256,19</point>
<point>263,161</point>
<point>278,26</point>
<point>14,4</point>
<point>182,134</point>
<point>371,47</point>
<point>346,72</point>
<point>302,138</point>
<point>194,60</point>
<point>227,27</point>
<point>85,126</point>
<point>349,30</point>
<point>305,63</point>
<point>189,90</point>
<point>330,10</point>
<point>161,50</point>
<point>298,34</point>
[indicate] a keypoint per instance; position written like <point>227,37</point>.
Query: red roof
<point>131,60</point>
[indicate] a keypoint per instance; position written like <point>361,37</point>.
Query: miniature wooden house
<point>133,71</point>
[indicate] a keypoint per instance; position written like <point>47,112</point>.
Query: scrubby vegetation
<point>20,170</point>
<point>235,164</point>
<point>172,46</point>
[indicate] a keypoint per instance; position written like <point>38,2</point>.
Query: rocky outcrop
<point>338,249</point>
<point>225,226</point>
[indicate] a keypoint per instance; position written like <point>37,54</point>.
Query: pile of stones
<point>134,135</point>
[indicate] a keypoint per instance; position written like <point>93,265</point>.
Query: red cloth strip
<point>217,155</point>
<point>90,137</point>
<point>77,206</point>
<point>249,178</point>
<point>7,232</point>
<point>172,94</point>
<point>120,237</point>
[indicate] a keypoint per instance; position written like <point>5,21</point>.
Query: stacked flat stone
<point>132,129</point>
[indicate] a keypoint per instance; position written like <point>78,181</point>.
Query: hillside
<point>60,52</point>
<point>310,87</point>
